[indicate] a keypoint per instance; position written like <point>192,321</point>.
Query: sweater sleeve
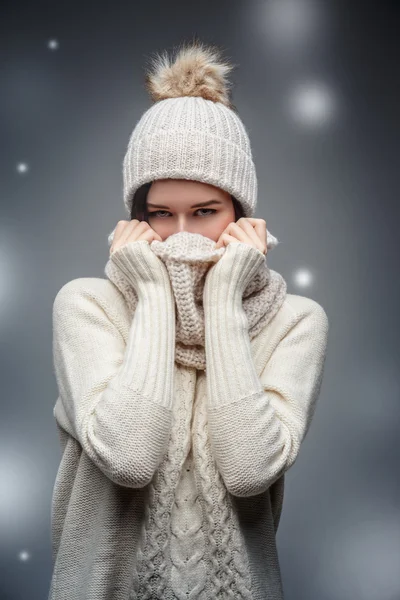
<point>257,423</point>
<point>117,396</point>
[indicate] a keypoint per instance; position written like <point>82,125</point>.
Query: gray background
<point>317,88</point>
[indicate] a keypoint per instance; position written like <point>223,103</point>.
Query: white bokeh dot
<point>303,278</point>
<point>24,555</point>
<point>293,22</point>
<point>311,104</point>
<point>290,29</point>
<point>52,44</point>
<point>22,167</point>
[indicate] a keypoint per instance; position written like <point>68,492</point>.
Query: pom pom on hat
<point>196,70</point>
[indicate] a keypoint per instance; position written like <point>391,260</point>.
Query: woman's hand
<point>247,230</point>
<point>132,231</point>
<point>137,261</point>
<point>240,261</point>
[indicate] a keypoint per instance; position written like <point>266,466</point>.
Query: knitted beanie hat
<point>192,130</point>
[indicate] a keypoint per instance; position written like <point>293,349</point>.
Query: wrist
<point>235,269</point>
<point>141,266</point>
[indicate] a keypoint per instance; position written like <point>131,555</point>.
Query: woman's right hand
<point>137,261</point>
<point>132,231</point>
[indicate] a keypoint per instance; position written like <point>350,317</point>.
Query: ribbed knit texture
<point>120,535</point>
<point>191,138</point>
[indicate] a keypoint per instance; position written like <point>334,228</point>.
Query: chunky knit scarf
<point>188,257</point>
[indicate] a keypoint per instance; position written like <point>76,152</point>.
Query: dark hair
<point>139,205</point>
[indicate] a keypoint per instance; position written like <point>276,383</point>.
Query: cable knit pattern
<point>229,572</point>
<point>188,541</point>
<point>152,566</point>
<point>188,545</point>
<point>121,527</point>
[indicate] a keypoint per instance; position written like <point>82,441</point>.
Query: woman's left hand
<point>247,230</point>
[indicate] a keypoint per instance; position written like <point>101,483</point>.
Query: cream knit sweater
<point>123,409</point>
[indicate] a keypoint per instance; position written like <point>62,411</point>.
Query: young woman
<point>188,377</point>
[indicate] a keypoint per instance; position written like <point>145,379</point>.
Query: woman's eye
<point>156,212</point>
<point>212,210</point>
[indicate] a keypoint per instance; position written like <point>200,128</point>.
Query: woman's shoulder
<point>298,309</point>
<point>302,305</point>
<point>99,291</point>
<point>95,285</point>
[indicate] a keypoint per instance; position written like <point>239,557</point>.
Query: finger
<point>118,230</point>
<point>234,228</point>
<point>225,237</point>
<point>131,226</point>
<point>120,226</point>
<point>246,234</point>
<point>218,243</point>
<point>252,234</point>
<point>125,229</point>
<point>260,228</point>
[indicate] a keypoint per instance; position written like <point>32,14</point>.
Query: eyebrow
<point>194,205</point>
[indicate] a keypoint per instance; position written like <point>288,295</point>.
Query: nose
<point>182,224</point>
